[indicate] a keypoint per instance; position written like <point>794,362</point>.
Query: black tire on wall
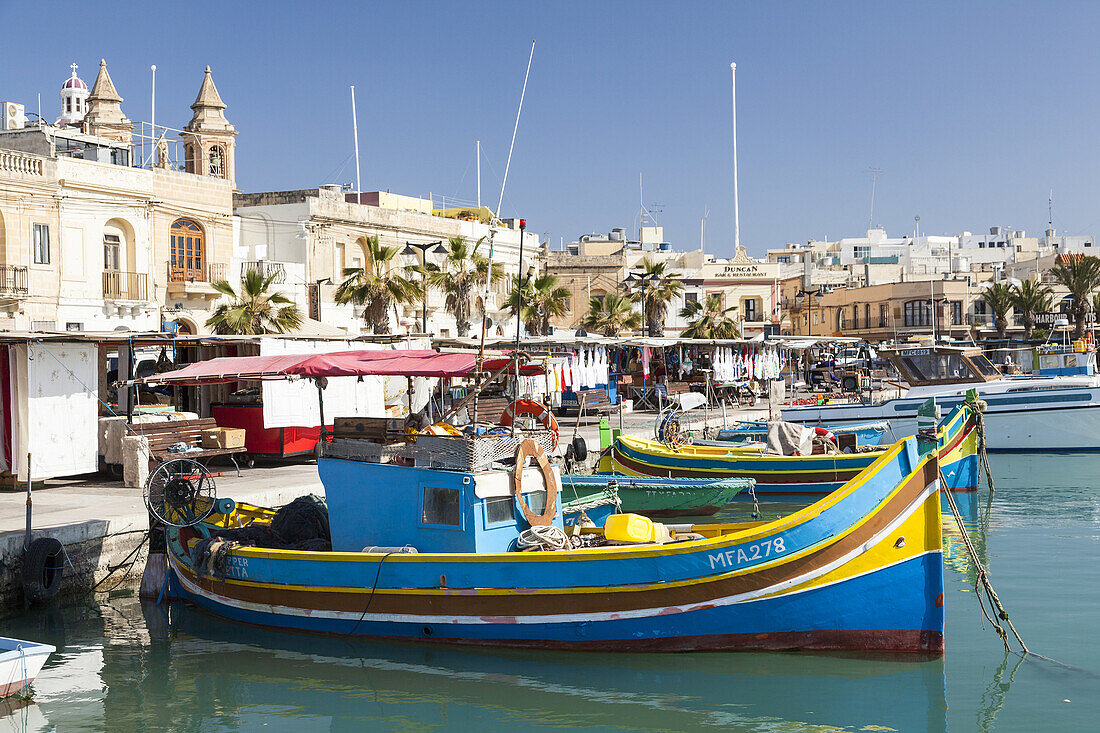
<point>43,566</point>
<point>580,449</point>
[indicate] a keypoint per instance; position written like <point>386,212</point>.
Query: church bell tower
<point>208,139</point>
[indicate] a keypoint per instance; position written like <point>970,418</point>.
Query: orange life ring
<point>823,433</point>
<point>537,410</point>
<point>530,448</point>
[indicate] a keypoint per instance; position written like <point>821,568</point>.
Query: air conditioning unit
<point>14,117</point>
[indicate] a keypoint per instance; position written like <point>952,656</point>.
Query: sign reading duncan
<point>742,270</point>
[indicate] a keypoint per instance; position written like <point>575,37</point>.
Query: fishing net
<point>300,525</point>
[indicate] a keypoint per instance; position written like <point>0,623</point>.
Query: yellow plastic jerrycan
<point>634,528</point>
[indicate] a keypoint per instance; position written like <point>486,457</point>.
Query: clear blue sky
<point>973,110</point>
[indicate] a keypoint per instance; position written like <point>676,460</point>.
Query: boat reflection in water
<point>359,682</point>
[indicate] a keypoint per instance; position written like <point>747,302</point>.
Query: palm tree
<point>254,310</point>
<point>658,287</point>
<point>379,286</point>
<point>1000,297</point>
<point>1031,298</point>
<point>464,270</point>
<point>709,320</point>
<point>1080,275</point>
<point>611,315</point>
<point>544,297</point>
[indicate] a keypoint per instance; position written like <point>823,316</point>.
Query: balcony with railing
<point>125,285</point>
<point>193,280</point>
<point>181,272</point>
<point>265,268</point>
<point>12,161</point>
<point>14,281</point>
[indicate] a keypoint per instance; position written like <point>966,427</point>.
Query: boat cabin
<point>429,496</point>
<point>1061,361</point>
<point>942,365</point>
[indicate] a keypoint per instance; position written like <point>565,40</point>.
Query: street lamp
<point>645,279</point>
<point>411,248</point>
<point>810,305</point>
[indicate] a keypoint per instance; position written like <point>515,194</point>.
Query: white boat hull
<point>1039,420</point>
<point>20,663</point>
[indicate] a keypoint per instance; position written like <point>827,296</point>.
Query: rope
<point>370,599</point>
<point>542,538</point>
<point>982,582</point>
<point>111,569</point>
<point>755,503</point>
<point>980,406</point>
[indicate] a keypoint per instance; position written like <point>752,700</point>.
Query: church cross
<point>74,67</point>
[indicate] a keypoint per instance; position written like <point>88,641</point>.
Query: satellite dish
<point>180,492</point>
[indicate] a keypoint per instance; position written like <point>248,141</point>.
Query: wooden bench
<point>161,435</point>
<point>489,409</point>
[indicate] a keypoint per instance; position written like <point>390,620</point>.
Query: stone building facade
<point>90,242</point>
<point>311,236</point>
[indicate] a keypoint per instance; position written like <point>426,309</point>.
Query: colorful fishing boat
<point>871,433</point>
<point>654,496</point>
<point>424,546</point>
<point>956,445</point>
<point>20,663</point>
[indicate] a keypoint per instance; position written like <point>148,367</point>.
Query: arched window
<point>187,256</point>
<point>840,318</point>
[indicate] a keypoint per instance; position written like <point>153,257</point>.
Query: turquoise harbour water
<point>124,666</point>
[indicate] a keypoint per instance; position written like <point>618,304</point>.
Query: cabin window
<point>536,500</point>
<point>983,366</point>
<point>936,367</point>
<point>500,509</point>
<point>441,506</point>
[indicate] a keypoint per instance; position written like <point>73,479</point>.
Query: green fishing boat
<point>649,495</point>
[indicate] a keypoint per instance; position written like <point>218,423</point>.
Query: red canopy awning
<point>393,362</point>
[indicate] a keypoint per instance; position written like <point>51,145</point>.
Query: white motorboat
<point>20,663</point>
<point>1057,409</point>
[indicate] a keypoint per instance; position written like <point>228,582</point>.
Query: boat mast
<point>736,213</point>
<point>355,132</point>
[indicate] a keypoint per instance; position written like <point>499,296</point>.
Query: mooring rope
<point>982,581</point>
<point>980,406</point>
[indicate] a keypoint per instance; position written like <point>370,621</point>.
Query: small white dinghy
<point>20,663</point>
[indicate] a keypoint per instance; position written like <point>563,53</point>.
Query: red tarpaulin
<point>408,363</point>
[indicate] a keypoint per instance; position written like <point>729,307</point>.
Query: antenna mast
<point>874,180</point>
